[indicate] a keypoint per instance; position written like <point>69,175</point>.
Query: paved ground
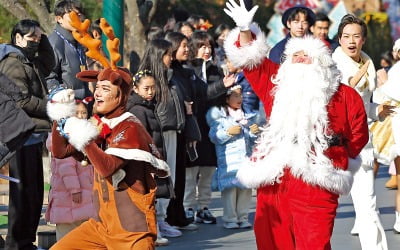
<point>216,237</point>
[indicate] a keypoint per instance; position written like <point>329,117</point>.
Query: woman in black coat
<point>199,173</point>
<point>196,92</point>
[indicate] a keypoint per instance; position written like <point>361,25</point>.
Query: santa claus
<point>316,127</point>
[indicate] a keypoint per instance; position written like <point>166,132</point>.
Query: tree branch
<point>46,19</point>
<point>152,11</point>
<point>136,37</point>
<point>16,9</point>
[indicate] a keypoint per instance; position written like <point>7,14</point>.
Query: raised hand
<point>240,15</point>
<point>61,104</point>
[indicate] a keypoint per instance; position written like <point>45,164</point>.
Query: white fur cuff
<point>248,56</point>
<point>56,111</point>
<point>80,132</point>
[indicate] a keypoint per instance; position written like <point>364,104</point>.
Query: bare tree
<point>45,17</point>
<point>138,16</point>
<point>39,8</point>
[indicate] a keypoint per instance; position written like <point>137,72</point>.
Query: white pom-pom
<point>57,111</point>
<point>80,132</point>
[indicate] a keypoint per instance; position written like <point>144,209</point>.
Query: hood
<point>135,99</point>
<point>6,49</point>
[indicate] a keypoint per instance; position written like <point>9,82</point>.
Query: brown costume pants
<point>126,221</point>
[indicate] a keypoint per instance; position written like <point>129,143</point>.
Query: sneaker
<point>205,216</point>
<point>231,225</point>
<point>354,231</point>
<point>190,227</point>
<point>190,214</point>
<point>161,241</point>
<point>245,224</point>
<point>396,226</point>
<point>167,231</point>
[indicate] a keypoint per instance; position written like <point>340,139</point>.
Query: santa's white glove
<point>61,104</point>
<point>240,15</point>
<point>80,132</point>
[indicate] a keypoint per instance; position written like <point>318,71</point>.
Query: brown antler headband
<point>93,45</point>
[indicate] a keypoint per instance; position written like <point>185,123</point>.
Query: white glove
<point>240,15</point>
<point>61,104</point>
<point>80,132</point>
<point>64,96</point>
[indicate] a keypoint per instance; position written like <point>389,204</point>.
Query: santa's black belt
<point>335,140</point>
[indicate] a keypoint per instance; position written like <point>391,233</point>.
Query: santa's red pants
<point>294,215</point>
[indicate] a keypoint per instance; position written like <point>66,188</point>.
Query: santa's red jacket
<point>346,114</point>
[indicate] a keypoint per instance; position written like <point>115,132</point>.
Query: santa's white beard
<point>296,133</point>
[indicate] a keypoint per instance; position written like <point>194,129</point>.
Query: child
<point>70,197</point>
<point>157,58</point>
<point>142,104</point>
<point>251,103</point>
<point>233,132</point>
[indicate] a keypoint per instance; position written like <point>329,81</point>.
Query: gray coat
<point>69,55</point>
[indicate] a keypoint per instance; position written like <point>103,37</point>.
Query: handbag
<point>165,188</point>
<point>192,130</point>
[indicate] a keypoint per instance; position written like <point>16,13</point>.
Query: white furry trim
<point>117,120</point>
<point>394,151</point>
<point>312,46</point>
<point>80,132</point>
<point>348,67</point>
<point>56,111</point>
<point>248,56</point>
<point>267,173</point>
<point>139,155</point>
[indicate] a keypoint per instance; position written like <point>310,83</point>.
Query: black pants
<point>25,198</point>
<point>176,212</point>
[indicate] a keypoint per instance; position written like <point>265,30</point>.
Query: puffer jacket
<point>144,111</point>
<point>15,125</point>
<point>231,150</point>
<point>68,176</point>
<point>28,76</point>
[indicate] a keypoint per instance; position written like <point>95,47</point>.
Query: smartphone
<point>192,152</point>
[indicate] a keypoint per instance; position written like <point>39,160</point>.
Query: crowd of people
<point>135,156</point>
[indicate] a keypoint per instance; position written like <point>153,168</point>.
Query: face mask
<point>31,49</point>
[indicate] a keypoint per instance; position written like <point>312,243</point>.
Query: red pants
<point>294,215</point>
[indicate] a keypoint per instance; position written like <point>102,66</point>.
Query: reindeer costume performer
<point>315,127</point>
<point>122,153</point>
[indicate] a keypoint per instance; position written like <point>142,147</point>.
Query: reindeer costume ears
<point>116,75</point>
